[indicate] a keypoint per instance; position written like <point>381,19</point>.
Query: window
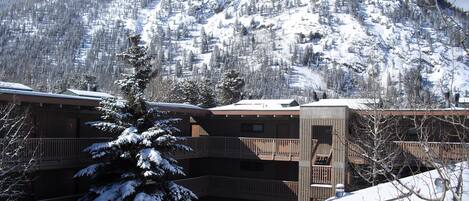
<point>255,128</point>
<point>251,166</point>
<point>412,134</point>
<point>258,128</point>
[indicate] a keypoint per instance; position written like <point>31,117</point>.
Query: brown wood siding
<point>321,116</point>
<point>231,126</point>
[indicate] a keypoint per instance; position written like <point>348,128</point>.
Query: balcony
<point>354,154</point>
<point>56,152</point>
<point>242,188</point>
<point>68,152</point>
<point>444,151</point>
<point>242,147</point>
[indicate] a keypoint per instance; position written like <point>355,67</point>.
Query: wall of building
<point>274,127</point>
<point>56,122</point>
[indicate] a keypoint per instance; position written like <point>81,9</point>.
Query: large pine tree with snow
<point>137,164</point>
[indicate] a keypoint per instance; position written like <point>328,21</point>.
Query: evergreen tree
<point>230,87</point>
<point>175,94</point>
<point>136,164</point>
<point>190,92</point>
<point>315,96</point>
<point>203,41</point>
<point>206,94</point>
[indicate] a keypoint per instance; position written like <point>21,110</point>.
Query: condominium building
<point>251,150</point>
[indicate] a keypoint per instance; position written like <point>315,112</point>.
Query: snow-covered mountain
<point>336,46</point>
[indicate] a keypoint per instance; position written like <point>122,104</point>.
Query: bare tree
<point>439,144</point>
<point>442,147</point>
<point>16,161</point>
<point>372,134</point>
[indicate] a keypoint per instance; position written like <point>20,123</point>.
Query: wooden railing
<point>254,148</point>
<point>242,188</point>
<point>50,151</point>
<point>321,174</point>
<point>354,153</point>
<point>320,193</point>
<point>446,151</point>
<point>198,185</point>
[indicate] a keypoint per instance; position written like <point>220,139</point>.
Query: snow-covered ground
<point>423,183</point>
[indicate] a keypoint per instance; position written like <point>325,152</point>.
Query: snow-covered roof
<point>464,100</point>
<point>289,102</point>
<point>357,104</point>
<point>181,108</point>
<point>261,105</point>
<point>424,183</point>
<point>92,94</point>
<point>42,97</point>
<point>176,105</point>
<point>43,94</point>
<point>15,86</point>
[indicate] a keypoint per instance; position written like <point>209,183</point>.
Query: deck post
<point>273,149</point>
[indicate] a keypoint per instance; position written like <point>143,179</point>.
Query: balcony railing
<point>69,151</point>
<point>50,152</point>
<point>321,192</point>
<point>354,153</point>
<point>255,148</point>
<point>242,188</point>
<point>243,147</point>
<point>321,174</point>
<point>443,151</point>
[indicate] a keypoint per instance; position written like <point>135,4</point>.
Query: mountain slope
<point>283,47</point>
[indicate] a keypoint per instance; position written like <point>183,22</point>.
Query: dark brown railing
<point>62,151</point>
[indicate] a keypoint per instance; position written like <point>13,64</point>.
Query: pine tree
<point>230,87</point>
<point>136,164</point>
<point>203,41</point>
<point>190,92</point>
<point>175,94</point>
<point>206,94</point>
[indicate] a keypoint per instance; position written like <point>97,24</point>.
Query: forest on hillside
<point>414,50</point>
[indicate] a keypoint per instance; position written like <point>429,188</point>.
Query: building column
<point>304,177</point>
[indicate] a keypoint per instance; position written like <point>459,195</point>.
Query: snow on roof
<point>92,94</point>
<point>15,86</point>
<point>424,183</point>
<point>359,104</point>
<point>291,102</point>
<point>464,100</point>
<point>264,104</point>
<point>43,94</point>
<point>176,105</point>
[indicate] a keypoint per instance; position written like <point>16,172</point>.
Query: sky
<point>464,4</point>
